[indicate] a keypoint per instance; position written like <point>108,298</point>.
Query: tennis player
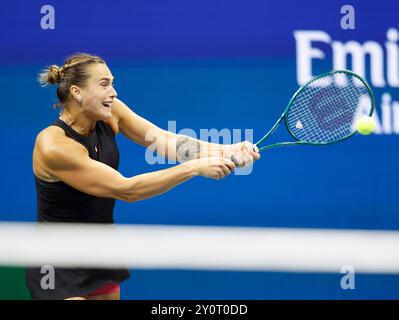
<point>75,162</point>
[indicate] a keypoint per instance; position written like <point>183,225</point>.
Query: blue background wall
<point>208,64</point>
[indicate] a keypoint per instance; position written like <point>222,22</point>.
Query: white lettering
<point>392,57</point>
<point>348,281</point>
<point>350,53</point>
<point>386,113</point>
<point>348,20</point>
<point>48,280</point>
<point>358,54</point>
<point>305,52</point>
<point>48,20</point>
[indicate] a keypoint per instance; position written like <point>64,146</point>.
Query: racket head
<point>324,110</point>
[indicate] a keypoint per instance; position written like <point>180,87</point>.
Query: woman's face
<point>98,94</point>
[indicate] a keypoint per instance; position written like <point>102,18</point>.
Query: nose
<point>113,92</point>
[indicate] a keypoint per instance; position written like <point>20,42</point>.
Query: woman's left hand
<point>242,153</point>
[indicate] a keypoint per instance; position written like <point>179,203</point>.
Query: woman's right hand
<point>213,167</point>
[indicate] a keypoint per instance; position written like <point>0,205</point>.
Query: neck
<point>77,120</point>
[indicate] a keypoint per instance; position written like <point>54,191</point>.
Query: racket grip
<point>234,159</point>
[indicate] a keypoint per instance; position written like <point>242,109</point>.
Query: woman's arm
<point>175,146</point>
<point>69,162</point>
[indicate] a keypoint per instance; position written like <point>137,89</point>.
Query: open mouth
<point>107,104</point>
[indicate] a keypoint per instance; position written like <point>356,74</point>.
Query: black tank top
<point>59,202</point>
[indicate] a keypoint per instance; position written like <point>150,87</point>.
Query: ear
<point>76,93</point>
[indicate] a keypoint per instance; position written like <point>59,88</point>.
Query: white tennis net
<point>203,248</point>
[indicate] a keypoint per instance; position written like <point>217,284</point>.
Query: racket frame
<point>283,115</point>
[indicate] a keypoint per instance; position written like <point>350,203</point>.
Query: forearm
<point>147,185</point>
<point>183,148</point>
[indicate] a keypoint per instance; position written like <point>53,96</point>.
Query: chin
<point>102,115</point>
<point>107,116</point>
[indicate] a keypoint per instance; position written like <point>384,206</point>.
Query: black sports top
<point>59,202</point>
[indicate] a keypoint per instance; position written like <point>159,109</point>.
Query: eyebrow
<point>106,78</point>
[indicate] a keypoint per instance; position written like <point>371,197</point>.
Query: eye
<point>103,84</point>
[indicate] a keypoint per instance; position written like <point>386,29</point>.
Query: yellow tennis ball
<point>365,125</point>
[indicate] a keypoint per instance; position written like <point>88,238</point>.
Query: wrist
<point>222,150</point>
<point>192,168</point>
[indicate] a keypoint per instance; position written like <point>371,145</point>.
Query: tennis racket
<point>324,110</point>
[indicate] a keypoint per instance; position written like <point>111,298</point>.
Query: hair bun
<point>54,74</point>
<point>51,75</point>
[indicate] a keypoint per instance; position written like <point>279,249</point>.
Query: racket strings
<point>312,122</point>
<point>324,111</point>
<point>331,116</point>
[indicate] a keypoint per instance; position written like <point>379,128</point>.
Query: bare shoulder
<point>52,142</point>
<point>48,137</point>
<point>54,150</point>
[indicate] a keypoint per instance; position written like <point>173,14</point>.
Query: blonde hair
<point>72,72</point>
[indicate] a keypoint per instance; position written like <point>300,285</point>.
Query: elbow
<point>128,196</point>
<point>123,190</point>
<point>136,189</point>
<point>126,191</point>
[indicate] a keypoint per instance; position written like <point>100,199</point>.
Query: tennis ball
<point>365,125</point>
